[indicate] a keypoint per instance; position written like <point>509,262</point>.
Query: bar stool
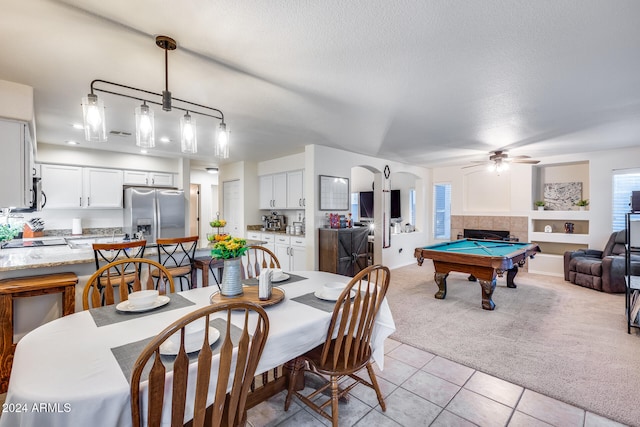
<point>10,289</point>
<point>107,253</point>
<point>178,255</point>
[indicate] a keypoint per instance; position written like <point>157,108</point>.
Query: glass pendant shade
<point>222,142</point>
<point>188,140</point>
<point>145,129</point>
<point>93,116</point>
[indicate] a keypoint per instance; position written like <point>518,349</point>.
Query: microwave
<point>38,198</point>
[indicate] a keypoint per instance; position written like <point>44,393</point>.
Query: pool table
<point>482,259</point>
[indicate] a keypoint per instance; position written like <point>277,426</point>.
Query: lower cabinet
<point>343,250</point>
<point>291,252</point>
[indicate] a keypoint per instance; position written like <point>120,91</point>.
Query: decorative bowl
<point>142,299</point>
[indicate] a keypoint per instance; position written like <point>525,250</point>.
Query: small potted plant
<point>540,204</point>
<point>8,232</point>
<point>582,204</point>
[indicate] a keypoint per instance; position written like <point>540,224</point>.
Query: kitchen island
<point>77,257</point>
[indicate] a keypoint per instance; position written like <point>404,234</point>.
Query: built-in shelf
<point>571,238</point>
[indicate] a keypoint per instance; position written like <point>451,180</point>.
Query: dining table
<point>75,370</point>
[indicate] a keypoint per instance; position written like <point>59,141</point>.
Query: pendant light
<point>145,129</point>
<point>188,137</point>
<point>222,142</point>
<point>93,117</point>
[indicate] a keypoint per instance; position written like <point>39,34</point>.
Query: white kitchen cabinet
<point>273,191</point>
<point>156,179</point>
<point>62,186</point>
<point>269,241</point>
<point>102,188</point>
<point>16,162</point>
<point>291,252</point>
<point>73,187</point>
<point>295,189</point>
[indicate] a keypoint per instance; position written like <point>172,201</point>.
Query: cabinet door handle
<point>304,201</point>
<point>80,201</point>
<point>88,201</point>
<point>299,202</point>
<point>146,181</point>
<point>153,181</point>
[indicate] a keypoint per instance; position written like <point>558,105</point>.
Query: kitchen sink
<point>87,242</point>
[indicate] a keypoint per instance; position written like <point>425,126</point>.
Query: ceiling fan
<point>499,160</point>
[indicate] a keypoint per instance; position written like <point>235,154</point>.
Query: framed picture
<point>334,193</point>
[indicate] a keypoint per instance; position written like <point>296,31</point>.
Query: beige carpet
<point>547,335</point>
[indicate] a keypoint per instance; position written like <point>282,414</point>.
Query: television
<point>365,203</point>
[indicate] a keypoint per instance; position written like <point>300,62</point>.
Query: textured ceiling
<point>422,82</point>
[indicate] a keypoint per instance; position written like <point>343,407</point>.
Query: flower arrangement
<point>582,202</point>
<point>230,247</point>
<point>8,232</point>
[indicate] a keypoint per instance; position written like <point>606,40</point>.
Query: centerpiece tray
<point>250,294</point>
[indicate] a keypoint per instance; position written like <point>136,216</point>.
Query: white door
<point>295,189</point>
<point>102,188</point>
<point>231,207</point>
<point>298,258</point>
<point>265,185</point>
<point>282,253</point>
<point>280,190</point>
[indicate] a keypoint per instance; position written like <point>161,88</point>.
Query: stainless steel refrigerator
<point>157,213</point>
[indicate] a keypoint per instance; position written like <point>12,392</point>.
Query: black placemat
<point>313,301</point>
<point>109,314</point>
<point>127,354</point>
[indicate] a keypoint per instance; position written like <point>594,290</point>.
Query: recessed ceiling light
<point>143,151</point>
<point>212,170</point>
<point>78,126</point>
<point>165,139</point>
<point>71,142</point>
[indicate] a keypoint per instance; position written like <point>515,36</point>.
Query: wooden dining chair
<point>178,255</point>
<point>106,286</point>
<point>255,259</point>
<point>351,325</point>
<point>240,347</point>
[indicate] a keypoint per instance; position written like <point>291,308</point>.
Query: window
<point>624,182</point>
<point>354,206</point>
<point>412,206</point>
<point>442,211</point>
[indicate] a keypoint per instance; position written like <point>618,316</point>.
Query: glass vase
<point>231,283</point>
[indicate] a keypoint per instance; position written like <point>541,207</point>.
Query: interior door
<point>194,210</point>
<point>231,207</point>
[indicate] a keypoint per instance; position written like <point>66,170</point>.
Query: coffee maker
<point>274,222</point>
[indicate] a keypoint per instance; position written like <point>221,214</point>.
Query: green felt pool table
<point>482,259</point>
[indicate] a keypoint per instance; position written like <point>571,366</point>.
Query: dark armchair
<point>601,270</point>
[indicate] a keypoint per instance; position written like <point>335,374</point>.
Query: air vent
<point>119,133</point>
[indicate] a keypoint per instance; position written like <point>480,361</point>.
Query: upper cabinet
<point>16,163</point>
<point>284,190</point>
<point>295,189</point>
<point>69,187</point>
<point>156,179</point>
<point>273,191</point>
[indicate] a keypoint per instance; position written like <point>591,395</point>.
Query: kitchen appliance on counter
<point>154,213</point>
<point>274,222</point>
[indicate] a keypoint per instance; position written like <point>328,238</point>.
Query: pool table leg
<point>487,292</point>
<point>441,281</point>
<point>511,274</point>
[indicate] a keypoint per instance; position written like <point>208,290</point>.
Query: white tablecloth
<point>65,374</point>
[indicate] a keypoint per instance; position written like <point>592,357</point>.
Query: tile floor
<point>422,389</point>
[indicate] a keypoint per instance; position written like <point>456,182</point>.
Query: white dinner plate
<point>319,294</point>
<point>280,278</point>
<point>159,302</point>
<point>171,348</point>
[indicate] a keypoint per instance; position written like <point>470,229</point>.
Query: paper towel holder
<point>76,228</point>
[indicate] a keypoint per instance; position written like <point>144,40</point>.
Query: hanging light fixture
<point>188,136</point>
<point>94,118</point>
<point>222,142</point>
<point>145,129</point>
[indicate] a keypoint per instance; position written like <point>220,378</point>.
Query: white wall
<point>322,160</point>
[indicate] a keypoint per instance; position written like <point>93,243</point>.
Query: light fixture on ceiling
<point>94,117</point>
<point>498,166</point>
<point>212,170</point>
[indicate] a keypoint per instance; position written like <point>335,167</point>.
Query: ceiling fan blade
<point>530,162</point>
<point>520,157</point>
<point>472,166</point>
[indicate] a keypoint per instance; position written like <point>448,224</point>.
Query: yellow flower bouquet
<point>230,247</point>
